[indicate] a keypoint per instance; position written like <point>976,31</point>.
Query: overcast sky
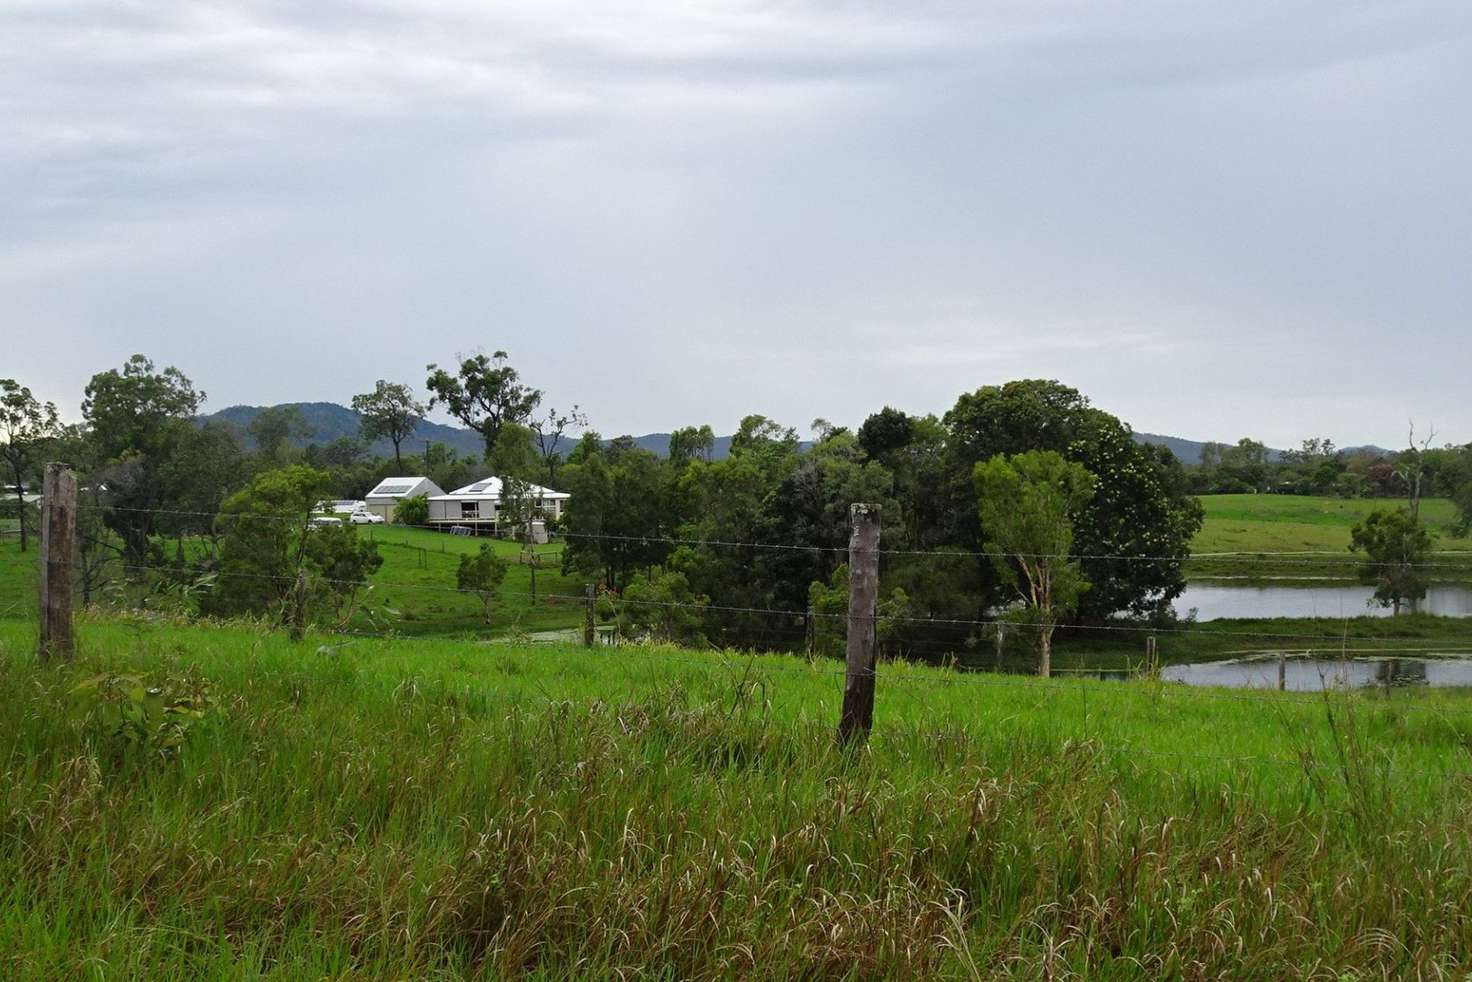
<point>1216,219</point>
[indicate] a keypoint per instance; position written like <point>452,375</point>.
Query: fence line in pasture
<point>796,614</point>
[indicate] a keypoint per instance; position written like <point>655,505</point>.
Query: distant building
<point>385,498</point>
<point>478,507</point>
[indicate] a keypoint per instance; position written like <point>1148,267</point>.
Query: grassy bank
<point>1292,536</point>
<point>422,808</point>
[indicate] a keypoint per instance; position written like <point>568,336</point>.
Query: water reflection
<point>1314,674</point>
<point>1212,601</point>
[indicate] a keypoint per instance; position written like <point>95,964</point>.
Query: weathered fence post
<point>58,544</point>
<point>1152,656</point>
<point>588,604</point>
<point>1001,632</point>
<point>857,716</point>
<point>1282,671</point>
<point>809,634</point>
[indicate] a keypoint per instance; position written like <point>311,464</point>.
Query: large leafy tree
<point>389,412</point>
<point>1395,545</point>
<point>26,426</point>
<point>1028,504</point>
<point>137,417</point>
<point>1136,529</point>
<point>485,393</point>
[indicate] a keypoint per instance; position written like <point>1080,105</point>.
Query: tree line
<point>1022,501</point>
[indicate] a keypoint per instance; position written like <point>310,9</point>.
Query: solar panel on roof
<point>393,488</point>
<point>478,487</point>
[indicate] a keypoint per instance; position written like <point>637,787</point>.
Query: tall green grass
<point>367,808</point>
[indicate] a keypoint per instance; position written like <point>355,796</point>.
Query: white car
<point>365,518</point>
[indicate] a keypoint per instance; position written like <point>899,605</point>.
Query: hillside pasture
<point>1287,536</point>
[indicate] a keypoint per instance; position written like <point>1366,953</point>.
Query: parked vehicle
<point>365,518</point>
<point>319,521</point>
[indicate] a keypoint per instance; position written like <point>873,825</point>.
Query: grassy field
<point>416,580</point>
<point>1317,529</point>
<point>414,809</point>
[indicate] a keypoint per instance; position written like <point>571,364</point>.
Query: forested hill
<point>327,421</point>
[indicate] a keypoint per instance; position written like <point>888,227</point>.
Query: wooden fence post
<point>58,545</point>
<point>1282,670</point>
<point>857,716</point>
<point>588,604</point>
<point>1001,632</point>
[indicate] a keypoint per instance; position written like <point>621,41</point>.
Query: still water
<point>1312,674</point>
<point>1308,674</point>
<point>1213,601</point>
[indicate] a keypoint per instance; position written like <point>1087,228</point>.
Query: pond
<point>1213,601</point>
<point>1315,674</point>
<point>1309,674</point>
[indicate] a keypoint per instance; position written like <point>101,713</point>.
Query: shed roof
<point>398,487</point>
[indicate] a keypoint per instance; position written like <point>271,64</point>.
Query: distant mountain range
<point>328,421</point>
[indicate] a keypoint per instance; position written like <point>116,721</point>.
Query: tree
<point>275,426</point>
<point>412,511</point>
<point>1137,527</point>
<point>137,417</point>
<point>663,608</point>
<point>690,443</point>
<point>1028,504</point>
<point>550,431</point>
<point>885,432</point>
<point>616,519</point>
<point>264,530</point>
<point>485,394</point>
<point>389,412</point>
<point>1395,544</point>
<point>1462,498</point>
<point>481,573</point>
<point>1410,467</point>
<point>127,410</point>
<point>26,426</point>
<point>828,603</point>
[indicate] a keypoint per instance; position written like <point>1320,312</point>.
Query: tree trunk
<point>1045,652</point>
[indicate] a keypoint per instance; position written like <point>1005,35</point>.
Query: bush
<point>412,511</point>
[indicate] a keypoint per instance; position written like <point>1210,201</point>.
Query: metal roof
<point>490,488</point>
<point>397,487</point>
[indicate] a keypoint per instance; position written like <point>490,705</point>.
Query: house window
<point>469,509</point>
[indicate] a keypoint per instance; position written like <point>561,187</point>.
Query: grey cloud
<point>1217,219</point>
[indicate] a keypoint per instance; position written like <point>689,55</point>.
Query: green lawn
<point>432,808</point>
<point>416,581</point>
<point>1261,525</point>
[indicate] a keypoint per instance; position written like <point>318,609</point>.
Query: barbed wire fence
<point>790,628</point>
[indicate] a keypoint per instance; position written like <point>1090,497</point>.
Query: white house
<point>383,499</point>
<point>478,506</point>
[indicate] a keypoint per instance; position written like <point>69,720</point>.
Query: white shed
<point>478,506</point>
<point>383,499</point>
